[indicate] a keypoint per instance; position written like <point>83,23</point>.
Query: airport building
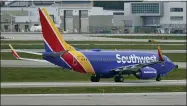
<point>83,17</point>
<point>165,15</point>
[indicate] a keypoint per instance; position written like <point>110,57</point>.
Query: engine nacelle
<point>146,73</point>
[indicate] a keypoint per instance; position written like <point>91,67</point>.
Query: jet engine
<point>146,73</point>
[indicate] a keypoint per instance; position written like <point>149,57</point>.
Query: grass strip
<point>90,42</point>
<point>148,37</point>
<point>176,57</point>
<point>9,56</point>
<point>59,74</point>
<point>164,47</point>
<point>64,90</point>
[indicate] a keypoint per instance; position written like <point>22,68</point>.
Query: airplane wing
<point>53,54</point>
<point>29,52</point>
<point>20,58</point>
<point>136,67</point>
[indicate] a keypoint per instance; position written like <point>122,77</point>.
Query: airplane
<point>99,63</point>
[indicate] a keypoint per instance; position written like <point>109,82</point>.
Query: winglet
<point>14,52</point>
<point>160,54</point>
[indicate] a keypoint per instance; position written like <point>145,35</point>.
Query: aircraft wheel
<point>95,79</point>
<point>158,78</point>
<point>119,79</point>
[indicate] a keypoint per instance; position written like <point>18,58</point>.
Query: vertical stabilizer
<point>52,38</point>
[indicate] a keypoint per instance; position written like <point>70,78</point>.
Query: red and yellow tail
<point>54,42</point>
<point>52,38</point>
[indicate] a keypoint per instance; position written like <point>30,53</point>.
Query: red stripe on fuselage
<point>49,34</point>
<point>75,65</point>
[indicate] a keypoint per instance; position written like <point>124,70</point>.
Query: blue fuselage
<point>104,61</point>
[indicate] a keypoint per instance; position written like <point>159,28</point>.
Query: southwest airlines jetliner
<point>99,63</point>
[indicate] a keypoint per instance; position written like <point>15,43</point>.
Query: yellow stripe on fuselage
<point>83,61</point>
<point>56,31</point>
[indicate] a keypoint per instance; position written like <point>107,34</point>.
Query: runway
<point>75,37</point>
<point>134,34</point>
<point>91,84</point>
<point>164,51</point>
<point>163,98</point>
<point>35,44</point>
<point>24,63</point>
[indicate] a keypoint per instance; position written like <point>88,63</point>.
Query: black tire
<point>158,79</point>
<point>119,79</point>
<point>95,79</point>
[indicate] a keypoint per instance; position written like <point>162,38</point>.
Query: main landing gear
<point>95,78</point>
<point>158,78</point>
<point>118,78</point>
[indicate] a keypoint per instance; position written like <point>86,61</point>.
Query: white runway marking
<point>163,98</point>
<point>164,51</point>
<point>76,37</point>
<point>99,94</point>
<point>104,44</point>
<point>87,84</point>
